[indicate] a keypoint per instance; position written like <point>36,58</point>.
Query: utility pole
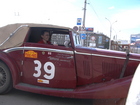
<point>83,27</point>
<point>84,13</point>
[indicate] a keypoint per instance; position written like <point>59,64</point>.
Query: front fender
<point>14,69</point>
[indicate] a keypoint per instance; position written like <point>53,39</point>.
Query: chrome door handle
<point>71,57</point>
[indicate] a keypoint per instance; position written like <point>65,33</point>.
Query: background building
<point>134,38</point>
<point>97,40</point>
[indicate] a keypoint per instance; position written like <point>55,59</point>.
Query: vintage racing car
<point>65,70</point>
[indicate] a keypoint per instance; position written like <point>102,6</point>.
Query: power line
<point>93,9</point>
<point>96,13</point>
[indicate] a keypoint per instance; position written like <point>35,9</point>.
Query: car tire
<point>5,79</point>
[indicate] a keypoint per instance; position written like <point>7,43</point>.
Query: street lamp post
<point>110,31</point>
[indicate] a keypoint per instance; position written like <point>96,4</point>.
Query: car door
<point>49,66</point>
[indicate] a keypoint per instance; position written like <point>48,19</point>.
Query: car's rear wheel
<point>5,79</point>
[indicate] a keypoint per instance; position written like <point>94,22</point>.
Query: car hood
<point>106,53</point>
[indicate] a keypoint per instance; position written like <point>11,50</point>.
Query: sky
<point>100,14</point>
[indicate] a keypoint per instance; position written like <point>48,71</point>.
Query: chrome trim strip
<point>134,59</point>
<point>108,56</point>
<point>13,49</point>
<point>61,51</point>
<point>82,53</point>
<point>99,55</point>
<point>105,56</point>
<point>38,49</point>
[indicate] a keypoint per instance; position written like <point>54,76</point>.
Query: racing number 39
<point>49,69</point>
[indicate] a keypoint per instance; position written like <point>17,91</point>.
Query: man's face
<point>46,36</point>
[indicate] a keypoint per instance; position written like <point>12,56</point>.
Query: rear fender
<point>14,69</point>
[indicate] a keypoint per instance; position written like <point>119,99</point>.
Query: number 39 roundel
<point>49,69</point>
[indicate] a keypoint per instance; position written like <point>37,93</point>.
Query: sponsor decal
<point>43,81</point>
<point>49,53</point>
<point>31,54</point>
<point>43,53</point>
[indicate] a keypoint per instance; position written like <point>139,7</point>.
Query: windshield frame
<point>76,39</point>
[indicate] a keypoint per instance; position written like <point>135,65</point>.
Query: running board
<point>105,90</point>
<point>24,85</point>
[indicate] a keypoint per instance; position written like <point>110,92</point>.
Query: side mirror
<point>66,43</point>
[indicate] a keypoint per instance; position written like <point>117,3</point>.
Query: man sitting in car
<point>45,37</point>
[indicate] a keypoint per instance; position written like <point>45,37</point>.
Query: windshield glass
<point>76,38</point>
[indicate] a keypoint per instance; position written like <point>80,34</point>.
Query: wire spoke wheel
<point>5,79</point>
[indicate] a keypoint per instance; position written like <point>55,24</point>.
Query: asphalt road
<point>17,97</point>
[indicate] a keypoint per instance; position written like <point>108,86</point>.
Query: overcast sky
<point>66,12</point>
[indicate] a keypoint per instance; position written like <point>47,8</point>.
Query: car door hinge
<point>21,62</point>
<point>21,73</point>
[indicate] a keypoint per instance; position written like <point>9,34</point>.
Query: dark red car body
<point>66,71</point>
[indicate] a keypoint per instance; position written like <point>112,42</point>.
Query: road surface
<point>17,97</point>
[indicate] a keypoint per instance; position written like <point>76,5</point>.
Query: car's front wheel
<point>5,79</point>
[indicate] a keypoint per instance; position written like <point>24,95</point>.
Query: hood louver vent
<point>112,70</point>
